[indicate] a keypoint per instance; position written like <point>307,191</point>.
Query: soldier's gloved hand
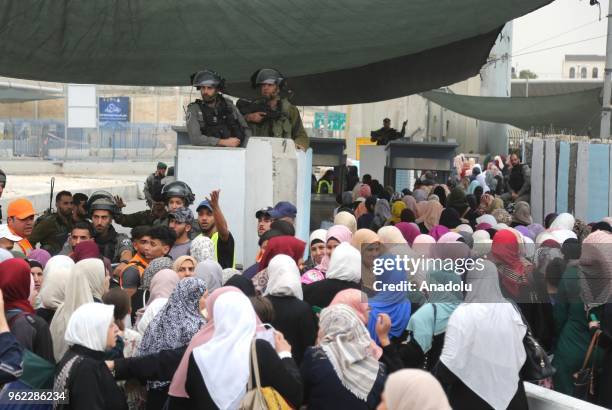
<point>256,117</point>
<point>229,142</point>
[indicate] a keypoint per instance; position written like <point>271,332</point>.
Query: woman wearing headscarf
<point>365,219</point>
<point>411,203</point>
<point>334,237</point>
<point>483,349</point>
<point>419,195</point>
<point>86,284</point>
<point>450,218</point>
<point>456,199</point>
<point>292,316</point>
<point>514,270</point>
<point>316,244</point>
<point>53,290</point>
<point>173,327</point>
<point>218,371</point>
<point>202,248</point>
<point>245,285</point>
<point>184,266</point>
<point>344,273</point>
<point>396,211</point>
<point>440,192</point>
<point>437,231</point>
<point>341,372</point>
<point>428,215</point>
<point>280,245</point>
<point>522,214</point>
<point>156,265</point>
<point>596,293</point>
<point>413,389</point>
<point>31,331</point>
<point>211,273</point>
<point>81,371</point>
<point>391,302</point>
<point>346,219</point>
<point>382,214</point>
<point>41,256</point>
<point>409,231</point>
<point>162,286</point>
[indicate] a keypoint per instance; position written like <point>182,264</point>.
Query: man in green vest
<point>213,225</point>
<point>276,116</point>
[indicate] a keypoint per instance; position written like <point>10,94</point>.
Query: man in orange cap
<point>20,221</point>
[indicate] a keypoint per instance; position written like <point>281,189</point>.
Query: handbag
<point>537,365</point>
<point>261,398</point>
<point>584,379</point>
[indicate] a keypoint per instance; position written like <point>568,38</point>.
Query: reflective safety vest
<point>215,239</point>
<point>325,187</point>
<point>139,263</point>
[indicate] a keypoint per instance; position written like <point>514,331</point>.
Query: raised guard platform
<point>434,156</point>
<point>267,171</point>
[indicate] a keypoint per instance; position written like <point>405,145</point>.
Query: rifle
<point>251,106</point>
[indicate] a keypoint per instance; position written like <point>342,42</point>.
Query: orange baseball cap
<point>21,209</point>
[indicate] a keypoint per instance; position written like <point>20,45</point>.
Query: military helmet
<point>267,76</point>
<point>101,200</point>
<point>178,189</point>
<point>208,78</point>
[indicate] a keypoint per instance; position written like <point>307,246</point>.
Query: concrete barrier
<point>540,398</point>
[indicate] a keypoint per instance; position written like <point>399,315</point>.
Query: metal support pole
<point>606,108</point>
<point>66,104</point>
<point>326,122</point>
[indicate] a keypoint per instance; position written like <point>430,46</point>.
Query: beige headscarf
<point>56,274</point>
<point>414,389</point>
<point>429,213</point>
<point>346,219</point>
<point>86,282</point>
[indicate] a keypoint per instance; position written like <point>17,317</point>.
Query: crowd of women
<point>315,333</point>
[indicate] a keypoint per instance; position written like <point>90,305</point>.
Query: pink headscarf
<point>162,284</point>
<point>358,301</point>
<point>409,231</point>
<point>340,233</point>
<point>177,387</point>
<point>437,231</point>
<point>40,255</point>
<point>449,247</point>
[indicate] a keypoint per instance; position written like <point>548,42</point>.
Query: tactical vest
<point>277,128</point>
<point>219,121</point>
<point>137,262</point>
<point>107,247</point>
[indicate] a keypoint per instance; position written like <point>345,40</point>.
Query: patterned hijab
<point>155,266</point>
<point>346,343</point>
<point>178,321</point>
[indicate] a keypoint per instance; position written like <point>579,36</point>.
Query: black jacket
<point>90,384</point>
<point>321,293</point>
<point>323,389</point>
<point>32,332</point>
<point>295,320</point>
<point>281,374</point>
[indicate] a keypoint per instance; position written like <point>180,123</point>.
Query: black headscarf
<point>441,193</point>
<point>242,283</point>
<point>450,218</point>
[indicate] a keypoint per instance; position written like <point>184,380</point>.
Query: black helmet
<point>208,78</point>
<point>267,76</point>
<point>102,200</point>
<point>178,189</point>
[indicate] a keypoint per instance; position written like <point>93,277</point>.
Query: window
<point>572,72</point>
<point>595,72</point>
<point>583,72</point>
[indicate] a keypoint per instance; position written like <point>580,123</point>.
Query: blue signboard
<point>114,109</point>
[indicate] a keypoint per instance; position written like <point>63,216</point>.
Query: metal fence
<point>112,141</point>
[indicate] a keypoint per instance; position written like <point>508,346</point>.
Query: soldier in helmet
<point>277,117</point>
<point>113,245</point>
<point>214,120</point>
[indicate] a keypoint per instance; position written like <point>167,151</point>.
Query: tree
<point>527,74</point>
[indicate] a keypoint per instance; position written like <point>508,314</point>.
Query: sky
<point>559,23</point>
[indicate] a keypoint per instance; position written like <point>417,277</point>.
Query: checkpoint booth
<point>418,156</point>
<point>328,152</point>
<point>266,171</point>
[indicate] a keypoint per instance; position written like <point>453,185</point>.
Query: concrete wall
<point>26,167</point>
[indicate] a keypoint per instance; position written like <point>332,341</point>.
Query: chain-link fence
<point>113,141</point>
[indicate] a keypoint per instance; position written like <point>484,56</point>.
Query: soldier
<point>153,180</point>
<point>53,230</point>
<point>113,245</point>
<point>271,115</point>
<point>385,134</point>
<point>214,120</point>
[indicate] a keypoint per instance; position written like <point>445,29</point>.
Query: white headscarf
<point>284,277</point>
<point>86,281</point>
<point>320,234</point>
<point>563,221</point>
<point>482,181</point>
<point>483,345</point>
<point>56,274</point>
<point>88,326</point>
<point>345,264</point>
<point>224,361</point>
